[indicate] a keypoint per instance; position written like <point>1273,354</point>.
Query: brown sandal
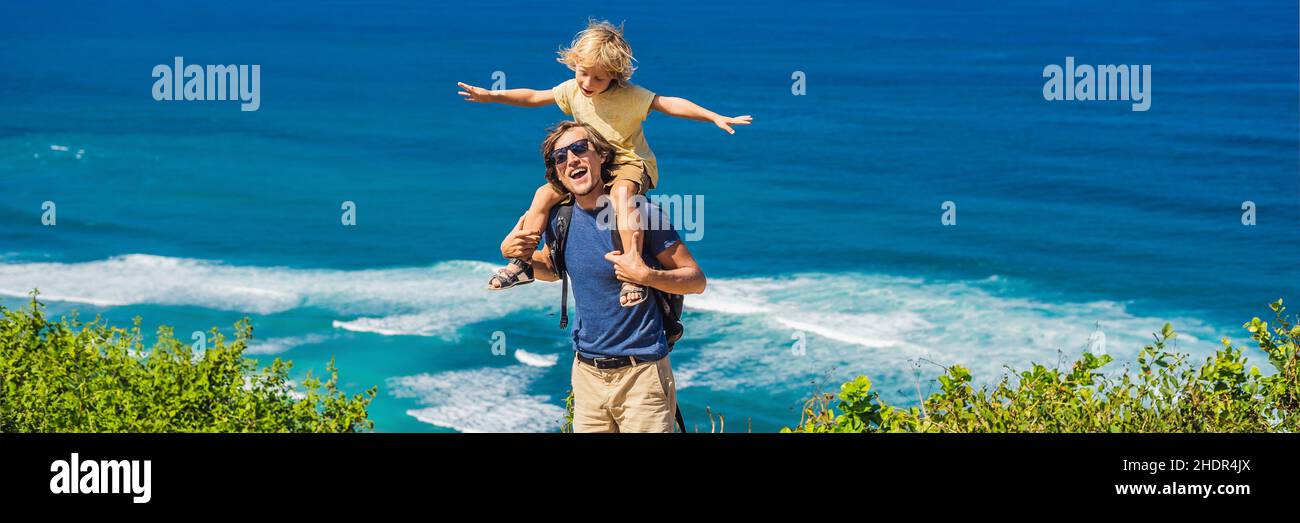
<point>506,279</point>
<point>629,288</point>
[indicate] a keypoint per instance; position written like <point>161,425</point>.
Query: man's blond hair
<point>601,45</point>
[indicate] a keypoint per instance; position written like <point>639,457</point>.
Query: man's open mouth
<point>577,174</point>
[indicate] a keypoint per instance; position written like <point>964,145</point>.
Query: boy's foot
<point>631,294</point>
<point>517,272</point>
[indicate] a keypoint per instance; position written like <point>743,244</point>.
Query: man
<point>622,378</point>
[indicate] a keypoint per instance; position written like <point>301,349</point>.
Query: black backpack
<point>669,304</point>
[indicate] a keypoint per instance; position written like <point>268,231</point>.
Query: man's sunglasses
<point>561,155</point>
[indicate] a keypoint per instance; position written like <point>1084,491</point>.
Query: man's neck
<point>590,200</point>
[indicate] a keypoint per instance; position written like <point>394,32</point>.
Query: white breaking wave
<point>490,399</point>
<point>278,345</point>
<point>536,360</point>
<point>882,326</point>
<point>423,301</point>
<point>740,334</point>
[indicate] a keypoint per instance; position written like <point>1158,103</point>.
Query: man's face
<point>579,173</point>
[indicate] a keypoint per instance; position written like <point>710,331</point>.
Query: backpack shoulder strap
<point>670,305</point>
<point>561,218</point>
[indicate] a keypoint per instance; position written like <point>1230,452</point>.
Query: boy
<point>599,95</point>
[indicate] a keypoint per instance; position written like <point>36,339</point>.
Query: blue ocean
<point>823,233</point>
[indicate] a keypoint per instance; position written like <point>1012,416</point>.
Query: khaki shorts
<point>635,398</point>
<point>633,172</point>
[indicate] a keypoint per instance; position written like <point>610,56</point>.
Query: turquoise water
<point>822,218</point>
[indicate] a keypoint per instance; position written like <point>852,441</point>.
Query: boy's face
<point>579,173</point>
<point>592,80</point>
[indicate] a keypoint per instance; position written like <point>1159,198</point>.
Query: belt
<point>612,363</point>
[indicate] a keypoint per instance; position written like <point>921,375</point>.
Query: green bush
<point>1163,394</point>
<point>69,376</point>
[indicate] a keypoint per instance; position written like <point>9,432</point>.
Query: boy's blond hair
<point>601,45</point>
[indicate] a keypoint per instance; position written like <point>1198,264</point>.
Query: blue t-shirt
<point>602,327</point>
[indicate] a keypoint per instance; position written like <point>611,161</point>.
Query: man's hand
<point>629,268</point>
<point>725,122</point>
<point>520,243</point>
<point>474,94</point>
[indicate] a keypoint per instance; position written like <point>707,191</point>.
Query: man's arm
<point>516,97</point>
<point>520,242</point>
<point>680,275</point>
<point>683,108</point>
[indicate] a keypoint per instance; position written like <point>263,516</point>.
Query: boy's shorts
<point>632,171</point>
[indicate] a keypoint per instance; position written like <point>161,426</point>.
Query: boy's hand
<point>474,94</point>
<point>628,268</point>
<point>725,122</point>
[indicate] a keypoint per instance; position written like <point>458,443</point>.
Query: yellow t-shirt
<point>617,114</point>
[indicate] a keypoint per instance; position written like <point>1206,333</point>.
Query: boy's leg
<point>623,193</point>
<point>544,199</point>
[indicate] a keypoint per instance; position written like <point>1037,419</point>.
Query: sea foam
<point>778,333</point>
<point>489,399</point>
<point>740,334</point>
<point>424,301</point>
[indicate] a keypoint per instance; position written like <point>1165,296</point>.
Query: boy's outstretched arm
<point>519,97</point>
<point>683,108</point>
